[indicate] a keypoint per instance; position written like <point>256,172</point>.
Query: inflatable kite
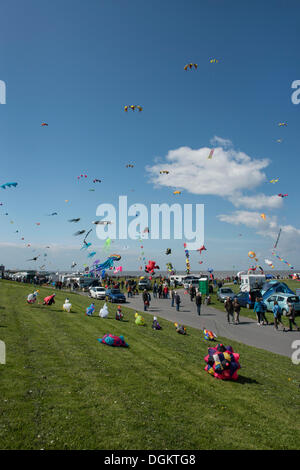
<point>67,306</point>
<point>112,340</point>
<point>104,311</point>
<point>222,362</point>
<point>9,185</point>
<point>132,107</point>
<point>180,329</point>
<point>31,299</point>
<point>139,319</point>
<point>90,310</point>
<point>251,254</point>
<point>190,66</point>
<point>149,268</point>
<point>155,324</point>
<point>263,216</point>
<point>49,300</point>
<point>209,335</point>
<point>108,264</point>
<point>168,251</point>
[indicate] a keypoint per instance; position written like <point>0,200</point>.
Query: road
<point>247,332</point>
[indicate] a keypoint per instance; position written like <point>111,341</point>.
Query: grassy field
<point>62,389</point>
<point>249,312</point>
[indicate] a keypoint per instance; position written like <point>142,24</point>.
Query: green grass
<point>62,389</point>
<point>245,312</point>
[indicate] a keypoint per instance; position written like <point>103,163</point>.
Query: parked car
<point>225,292</point>
<point>115,295</point>
<point>144,284</point>
<point>245,300</point>
<point>97,292</point>
<point>283,300</point>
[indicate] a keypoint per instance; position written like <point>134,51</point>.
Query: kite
<point>108,264</point>
<point>164,172</point>
<point>90,310</point>
<point>118,269</point>
<point>282,195</point>
<point>187,260</point>
<point>107,244</point>
<point>212,61</point>
<point>139,319</point>
<point>279,141</point>
<point>202,248</point>
<point>281,124</point>
<point>170,268</point>
<point>277,240</point>
<point>274,180</point>
<point>96,181</point>
<point>209,335</point>
<point>146,230</point>
<point>34,259</point>
<point>112,340</point>
<point>176,192</point>
<point>269,263</point>
<point>180,329</point>
<point>67,306</point>
<point>168,251</point>
<point>73,264</point>
<point>81,176</point>
<point>281,259</point>
<point>9,185</point>
<point>74,220</point>
<point>129,166</point>
<point>49,300</point>
<point>190,66</point>
<point>44,124</point>
<point>211,153</point>
<point>92,190</point>
<point>222,362</point>
<point>263,216</point>
<point>102,222</point>
<point>85,246</point>
<point>149,268</point>
<point>90,255</point>
<point>80,232</point>
<point>252,254</point>
<point>132,107</point>
<point>53,213</point>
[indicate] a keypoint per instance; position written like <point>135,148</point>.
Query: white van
<point>251,282</point>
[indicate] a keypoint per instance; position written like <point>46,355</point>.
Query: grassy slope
<point>62,389</point>
<point>249,312</point>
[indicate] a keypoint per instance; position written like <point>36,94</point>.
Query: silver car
<point>97,293</point>
<point>225,292</point>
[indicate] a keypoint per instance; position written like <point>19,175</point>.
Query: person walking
<point>229,308</point>
<point>291,317</point>
<point>155,290</point>
<point>192,293</point>
<point>177,301</point>
<point>159,290</point>
<point>173,294</point>
<point>198,301</point>
<point>145,300</point>
<point>236,309</point>
<point>277,316</point>
<point>259,309</point>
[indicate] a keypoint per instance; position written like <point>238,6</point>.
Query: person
<point>177,301</point>
<point>192,293</point>
<point>291,317</point>
<point>229,308</point>
<point>236,309</point>
<point>129,291</point>
<point>145,300</point>
<point>173,295</point>
<point>198,301</point>
<point>165,291</point>
<point>155,290</point>
<point>263,315</point>
<point>119,314</point>
<point>207,300</point>
<point>277,316</point>
<point>259,309</point>
<point>159,290</point>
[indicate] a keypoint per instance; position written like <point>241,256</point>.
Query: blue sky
<point>75,65</point>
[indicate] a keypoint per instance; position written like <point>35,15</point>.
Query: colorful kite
<point>190,66</point>
<point>132,107</point>
<point>9,185</point>
<point>282,195</point>
<point>277,240</point>
<point>274,180</point>
<point>211,153</point>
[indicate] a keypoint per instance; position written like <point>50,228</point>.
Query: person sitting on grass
<point>277,316</point>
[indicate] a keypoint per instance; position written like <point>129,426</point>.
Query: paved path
<point>247,332</point>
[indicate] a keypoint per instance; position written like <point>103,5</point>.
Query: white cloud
<point>225,143</point>
<point>226,174</point>
<point>257,201</point>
